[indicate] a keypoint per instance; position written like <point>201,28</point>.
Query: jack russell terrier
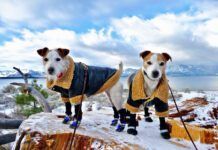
<point>67,77</point>
<point>148,87</point>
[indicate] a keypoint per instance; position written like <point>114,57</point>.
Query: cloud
<point>22,51</point>
<point>41,14</point>
<point>190,37</point>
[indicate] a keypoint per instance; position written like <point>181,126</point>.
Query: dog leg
<point>68,113</point>
<point>122,124</point>
<point>147,115</point>
<point>77,116</point>
<point>164,128</point>
<point>116,117</point>
<point>132,124</point>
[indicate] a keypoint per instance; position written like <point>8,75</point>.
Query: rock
<point>46,131</point>
<point>187,106</point>
<point>207,136</point>
<point>198,111</point>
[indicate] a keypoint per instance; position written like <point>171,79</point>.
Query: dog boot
<point>164,129</point>
<point>114,122</point>
<point>67,119</point>
<point>120,127</point>
<point>165,133</point>
<point>75,124</point>
<point>148,119</point>
<point>132,130</point>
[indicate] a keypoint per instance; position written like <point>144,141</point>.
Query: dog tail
<point>121,67</point>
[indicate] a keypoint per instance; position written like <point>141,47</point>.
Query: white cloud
<point>22,51</point>
<point>190,37</point>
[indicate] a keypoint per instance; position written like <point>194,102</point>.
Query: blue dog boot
<point>114,122</point>
<point>75,124</point>
<point>67,119</point>
<point>120,127</point>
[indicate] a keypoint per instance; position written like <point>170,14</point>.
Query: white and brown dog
<point>67,77</point>
<point>147,87</point>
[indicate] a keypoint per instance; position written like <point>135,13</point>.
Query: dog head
<point>154,64</point>
<point>55,62</point>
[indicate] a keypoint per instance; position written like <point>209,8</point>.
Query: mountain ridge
<point>172,70</point>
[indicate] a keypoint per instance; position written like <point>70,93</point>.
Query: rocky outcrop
<point>46,131</point>
<point>197,110</point>
<point>201,120</point>
<point>207,136</point>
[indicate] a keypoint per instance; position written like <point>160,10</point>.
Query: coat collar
<point>66,80</point>
<point>138,91</point>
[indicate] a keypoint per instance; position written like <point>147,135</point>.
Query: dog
<point>148,87</point>
<point>67,77</point>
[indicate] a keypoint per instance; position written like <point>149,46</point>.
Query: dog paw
<point>75,124</point>
<point>67,119</point>
<point>165,134</point>
<point>148,119</point>
<point>132,130</point>
<point>120,127</point>
<point>114,122</point>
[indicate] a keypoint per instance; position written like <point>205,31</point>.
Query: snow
<point>97,123</point>
<point>202,112</point>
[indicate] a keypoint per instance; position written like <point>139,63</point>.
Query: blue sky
<point>101,32</point>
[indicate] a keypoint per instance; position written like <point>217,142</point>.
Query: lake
<point>207,83</point>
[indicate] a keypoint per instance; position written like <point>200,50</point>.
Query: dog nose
<point>50,70</point>
<point>155,74</point>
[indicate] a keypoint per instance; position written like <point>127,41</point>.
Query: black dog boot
<point>148,119</point>
<point>147,115</point>
<point>164,129</point>
<point>165,133</point>
<point>132,130</point>
<point>132,124</point>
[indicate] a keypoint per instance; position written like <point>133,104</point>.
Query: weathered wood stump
<point>46,131</point>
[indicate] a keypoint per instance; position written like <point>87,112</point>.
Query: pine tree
<point>27,102</point>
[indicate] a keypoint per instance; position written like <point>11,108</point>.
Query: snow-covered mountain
<point>172,70</point>
<point>184,70</point>
<point>15,74</point>
<point>192,70</point>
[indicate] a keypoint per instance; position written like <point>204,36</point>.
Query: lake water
<point>207,83</point>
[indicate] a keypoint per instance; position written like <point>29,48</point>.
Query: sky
<point>105,32</point>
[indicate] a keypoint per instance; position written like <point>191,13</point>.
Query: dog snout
<point>155,74</point>
<point>51,70</point>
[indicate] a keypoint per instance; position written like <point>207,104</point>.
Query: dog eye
<point>45,59</point>
<point>58,59</point>
<point>162,63</point>
<point>149,63</point>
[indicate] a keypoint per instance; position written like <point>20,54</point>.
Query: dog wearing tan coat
<point>148,87</point>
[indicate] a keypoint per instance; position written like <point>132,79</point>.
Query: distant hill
<point>184,70</point>
<point>15,74</point>
<point>172,70</point>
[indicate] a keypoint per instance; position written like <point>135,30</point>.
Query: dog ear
<point>167,56</point>
<point>63,52</point>
<point>144,53</point>
<point>42,52</point>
